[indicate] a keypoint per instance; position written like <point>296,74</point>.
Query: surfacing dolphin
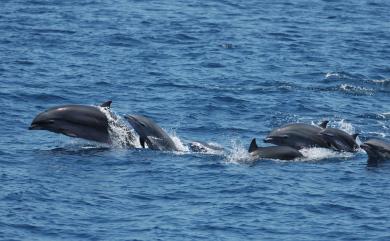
<point>377,150</point>
<point>151,134</point>
<point>298,136</point>
<point>340,140</point>
<point>80,121</point>
<point>273,152</point>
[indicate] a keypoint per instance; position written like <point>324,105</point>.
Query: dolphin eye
<point>142,124</point>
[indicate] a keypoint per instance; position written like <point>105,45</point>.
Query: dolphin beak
<point>33,126</point>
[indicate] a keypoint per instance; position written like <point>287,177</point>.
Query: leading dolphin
<point>273,152</point>
<point>151,134</point>
<point>377,150</point>
<point>81,121</point>
<point>298,136</point>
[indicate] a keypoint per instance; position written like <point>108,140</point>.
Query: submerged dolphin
<point>273,152</point>
<point>298,136</point>
<point>340,140</point>
<point>377,150</point>
<point>151,134</point>
<point>81,121</point>
<point>198,146</point>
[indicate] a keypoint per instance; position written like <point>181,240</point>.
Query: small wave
<point>384,82</point>
<point>213,65</point>
<point>356,90</point>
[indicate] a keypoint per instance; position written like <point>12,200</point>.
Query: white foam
<point>238,154</point>
<point>178,143</point>
<point>332,74</point>
<point>315,154</point>
<point>356,89</point>
<point>118,130</point>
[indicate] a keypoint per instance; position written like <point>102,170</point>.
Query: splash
<point>121,136</point>
<point>315,154</point>
<point>238,154</point>
<point>178,143</point>
<point>345,126</point>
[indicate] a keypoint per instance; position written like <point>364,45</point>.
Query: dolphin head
<point>139,123</point>
<point>376,149</point>
<point>48,120</point>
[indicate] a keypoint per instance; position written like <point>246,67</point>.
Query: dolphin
<point>340,140</point>
<point>273,152</point>
<point>151,134</point>
<point>377,150</point>
<point>80,121</point>
<point>298,136</point>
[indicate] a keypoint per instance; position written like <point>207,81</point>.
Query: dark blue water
<point>222,72</point>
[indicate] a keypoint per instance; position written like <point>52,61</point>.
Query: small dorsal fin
<point>253,146</point>
<point>324,124</point>
<point>106,104</point>
<point>354,136</point>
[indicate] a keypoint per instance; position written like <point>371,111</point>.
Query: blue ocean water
<point>222,72</point>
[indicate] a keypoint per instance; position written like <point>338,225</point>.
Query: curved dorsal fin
<point>106,104</point>
<point>324,124</point>
<point>253,146</point>
<point>354,136</point>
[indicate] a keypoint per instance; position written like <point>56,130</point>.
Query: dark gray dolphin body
<point>298,136</point>
<point>340,140</point>
<point>273,152</point>
<point>377,150</point>
<point>81,121</point>
<point>151,134</point>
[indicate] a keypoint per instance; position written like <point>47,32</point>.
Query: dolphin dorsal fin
<point>324,124</point>
<point>354,136</point>
<point>253,146</point>
<point>106,104</point>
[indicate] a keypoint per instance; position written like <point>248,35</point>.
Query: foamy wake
<point>238,153</point>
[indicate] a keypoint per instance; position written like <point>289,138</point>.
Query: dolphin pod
<point>91,123</point>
